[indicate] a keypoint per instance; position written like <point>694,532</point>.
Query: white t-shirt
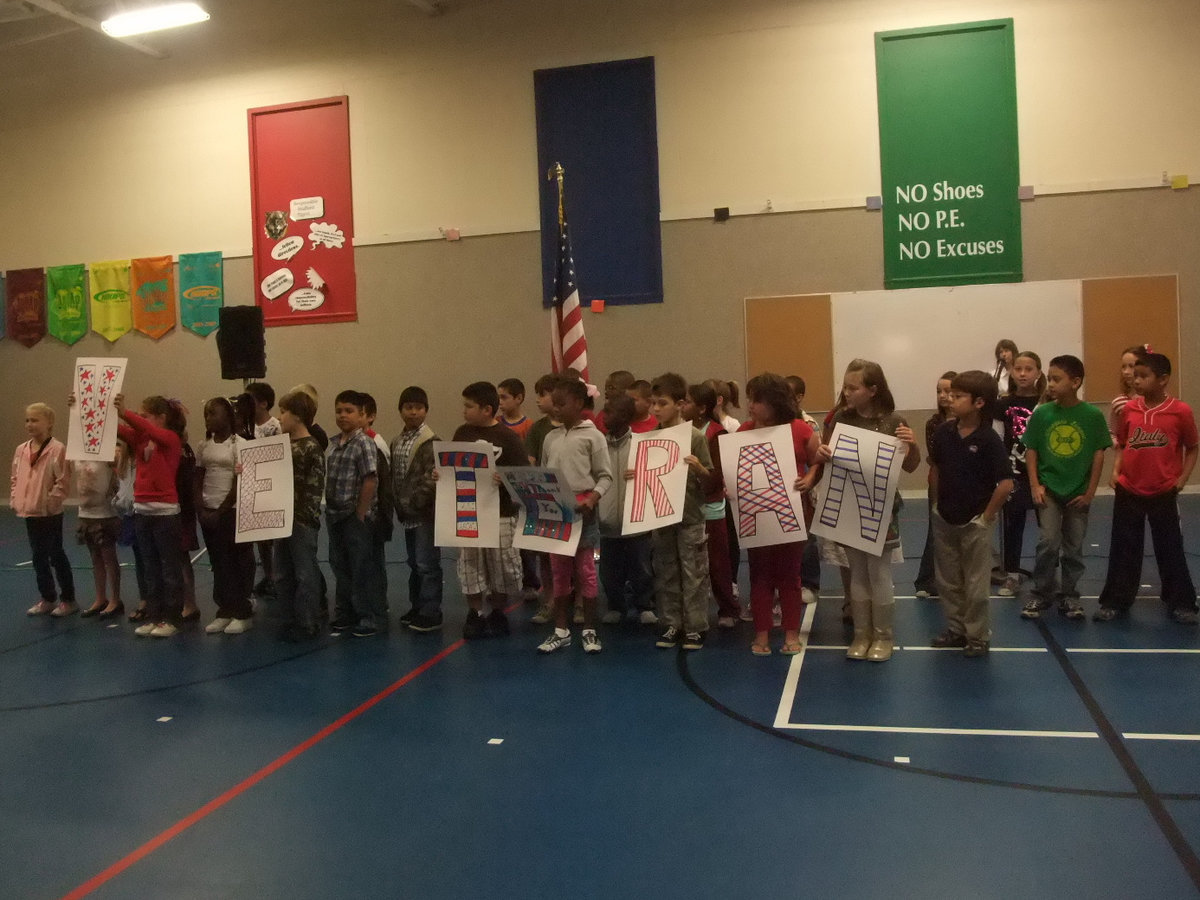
<point>217,460</point>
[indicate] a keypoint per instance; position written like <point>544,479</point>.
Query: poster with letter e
<point>547,521</point>
<point>858,488</point>
<point>759,466</point>
<point>265,492</point>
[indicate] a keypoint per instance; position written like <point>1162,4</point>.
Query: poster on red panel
<point>302,211</point>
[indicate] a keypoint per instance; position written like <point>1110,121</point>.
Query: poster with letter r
<point>654,496</point>
<point>858,488</point>
<point>759,466</point>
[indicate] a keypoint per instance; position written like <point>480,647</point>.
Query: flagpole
<point>556,171</point>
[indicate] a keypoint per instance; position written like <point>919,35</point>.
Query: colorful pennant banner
<point>153,295</point>
<point>25,305</point>
<point>112,310</point>
<point>201,291</point>
<point>65,306</point>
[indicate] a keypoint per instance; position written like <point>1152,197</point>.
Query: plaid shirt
<point>347,462</point>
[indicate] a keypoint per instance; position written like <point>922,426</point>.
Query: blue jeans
<point>159,542</point>
<point>626,561</point>
<point>424,570</point>
<point>298,577</point>
<point>1062,529</point>
<point>49,558</point>
<point>351,556</point>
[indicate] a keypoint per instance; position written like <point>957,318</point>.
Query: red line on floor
<point>216,803</point>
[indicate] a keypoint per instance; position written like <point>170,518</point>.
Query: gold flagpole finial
<point>556,171</point>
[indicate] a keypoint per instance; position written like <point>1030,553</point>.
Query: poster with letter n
<point>302,212</point>
<point>949,157</point>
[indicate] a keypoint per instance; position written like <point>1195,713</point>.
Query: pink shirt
<point>39,487</point>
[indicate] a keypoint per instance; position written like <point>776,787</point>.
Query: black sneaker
<point>1108,613</point>
<point>949,638</point>
<point>364,629</point>
<point>497,623</point>
<point>474,627</point>
<point>1184,615</point>
<point>407,618</point>
<point>423,623</point>
<point>693,640</point>
<point>1069,608</point>
<point>975,648</point>
<point>265,589</point>
<point>669,637</point>
<point>342,624</point>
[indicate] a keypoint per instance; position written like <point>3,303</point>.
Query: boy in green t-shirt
<point>1065,443</point>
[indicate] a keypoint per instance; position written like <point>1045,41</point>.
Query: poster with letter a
<point>466,510</point>
<point>265,493</point>
<point>654,497</point>
<point>547,520</point>
<point>92,427</point>
<point>759,466</point>
<point>858,488</point>
<point>302,212</point>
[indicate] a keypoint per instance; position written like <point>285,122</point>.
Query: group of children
<point>1049,460</point>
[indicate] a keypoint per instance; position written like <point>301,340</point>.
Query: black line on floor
<point>1109,734</point>
<point>686,676</point>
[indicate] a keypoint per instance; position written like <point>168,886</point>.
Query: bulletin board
<point>917,334</point>
<point>302,212</point>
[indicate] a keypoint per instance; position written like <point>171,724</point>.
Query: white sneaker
<point>736,594</point>
<point>164,629</point>
<point>591,643</point>
<point>612,617</point>
<point>808,595</point>
<point>747,615</point>
<point>1009,588</point>
<point>144,630</point>
<point>41,608</point>
<point>726,622</point>
<point>239,626</point>
<point>543,616</point>
<point>64,609</point>
<point>922,595</point>
<point>648,617</point>
<point>216,626</point>
<point>556,641</point>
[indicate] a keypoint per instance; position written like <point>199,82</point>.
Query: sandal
<point>138,615</point>
<point>760,649</point>
<point>792,649</point>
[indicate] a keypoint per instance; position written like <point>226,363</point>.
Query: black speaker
<point>242,343</point>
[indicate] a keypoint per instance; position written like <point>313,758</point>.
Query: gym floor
<point>1065,764</point>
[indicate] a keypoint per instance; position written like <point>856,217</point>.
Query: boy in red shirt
<point>1157,445</point>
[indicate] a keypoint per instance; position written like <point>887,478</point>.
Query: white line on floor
<point>974,732</point>
<point>788,699</point>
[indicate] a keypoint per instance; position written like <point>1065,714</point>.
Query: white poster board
<point>92,425</point>
<point>654,496</point>
<point>858,488</point>
<point>467,501</point>
<point>265,492</point>
<point>547,521</point>
<point>759,466</point>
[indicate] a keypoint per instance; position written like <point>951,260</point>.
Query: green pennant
<point>66,303</point>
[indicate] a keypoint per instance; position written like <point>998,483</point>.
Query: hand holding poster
<point>654,497</point>
<point>266,495</point>
<point>860,484</point>
<point>92,426</point>
<point>547,521</point>
<point>467,503</point>
<point>759,466</point>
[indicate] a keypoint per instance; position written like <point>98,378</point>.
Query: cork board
<point>792,336</point>
<point>1122,312</point>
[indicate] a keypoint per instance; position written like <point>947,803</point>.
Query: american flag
<point>568,344</point>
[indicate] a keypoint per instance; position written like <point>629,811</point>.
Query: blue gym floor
<point>1066,764</point>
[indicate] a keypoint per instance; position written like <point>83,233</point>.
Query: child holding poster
<point>577,449</point>
<point>297,572</point>
<point>41,477</point>
<point>776,568</point>
<point>869,404</point>
<point>678,576</point>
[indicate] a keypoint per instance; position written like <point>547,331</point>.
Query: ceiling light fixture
<point>153,18</point>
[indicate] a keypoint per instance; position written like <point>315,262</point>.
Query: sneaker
<point>776,616</point>
<point>64,608</point>
<point>362,629</point>
<point>497,623</point>
<point>423,623</point>
<point>612,617</point>
<point>339,625</point>
<point>557,641</point>
<point>736,593</point>
<point>1069,608</point>
<point>949,638</point>
<point>693,640</point>
<point>975,648</point>
<point>239,626</point>
<point>808,595</point>
<point>407,619</point>
<point>144,630</point>
<point>669,637</point>
<point>747,615</point>
<point>216,626</point>
<point>265,588</point>
<point>474,627</point>
<point>1009,588</point>
<point>727,622</point>
<point>923,593</point>
<point>1108,613</point>
<point>1184,615</point>
<point>648,617</point>
<point>164,630</point>
<point>544,615</point>
<point>41,608</point>
<point>591,643</point>
<point>1033,608</point>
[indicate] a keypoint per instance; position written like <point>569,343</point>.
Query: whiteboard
<point>918,333</point>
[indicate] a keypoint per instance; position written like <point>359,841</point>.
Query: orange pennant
<point>154,304</point>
